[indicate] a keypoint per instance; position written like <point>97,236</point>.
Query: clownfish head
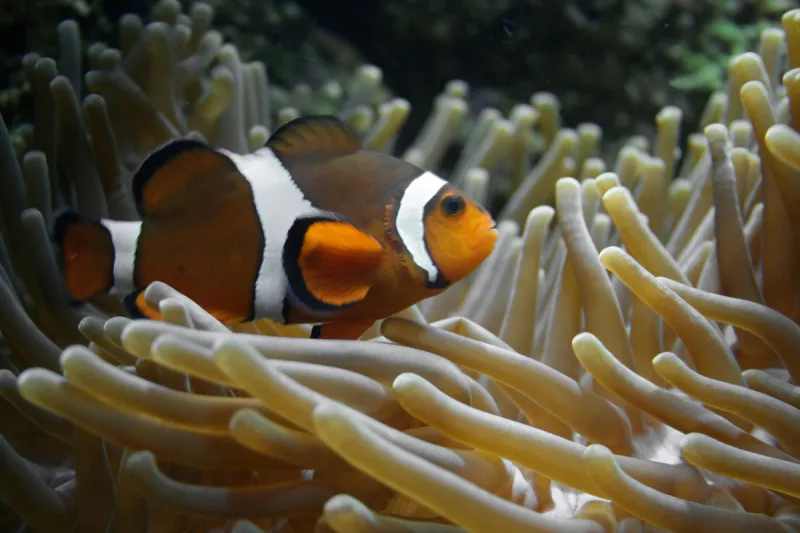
<point>460,234</point>
<point>446,234</point>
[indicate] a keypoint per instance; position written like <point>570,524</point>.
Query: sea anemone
<point>625,360</point>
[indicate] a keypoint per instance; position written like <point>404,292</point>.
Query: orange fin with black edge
<point>167,171</point>
<point>314,136</point>
<point>136,305</point>
<point>87,255</point>
<point>344,330</point>
<point>330,263</point>
<point>226,317</point>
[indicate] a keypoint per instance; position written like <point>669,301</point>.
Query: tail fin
<point>87,255</point>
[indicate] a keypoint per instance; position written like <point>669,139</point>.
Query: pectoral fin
<point>330,264</point>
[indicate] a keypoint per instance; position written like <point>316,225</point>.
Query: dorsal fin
<point>315,137</point>
<point>172,167</point>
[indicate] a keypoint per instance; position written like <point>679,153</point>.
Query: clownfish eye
<point>453,205</point>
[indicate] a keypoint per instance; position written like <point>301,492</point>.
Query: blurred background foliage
<point>613,62</point>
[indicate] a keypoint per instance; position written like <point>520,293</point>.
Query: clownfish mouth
<point>486,230</point>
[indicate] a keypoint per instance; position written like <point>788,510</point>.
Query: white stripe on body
<point>411,220</point>
<point>124,236</point>
<point>279,202</point>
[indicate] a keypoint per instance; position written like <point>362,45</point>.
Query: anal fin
<point>345,330</point>
<point>226,317</point>
<point>136,305</point>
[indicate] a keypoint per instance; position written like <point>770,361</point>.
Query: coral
<point>625,360</point>
<point>727,35</point>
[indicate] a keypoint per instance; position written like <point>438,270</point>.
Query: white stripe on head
<point>124,237</point>
<point>410,221</point>
<point>279,202</point>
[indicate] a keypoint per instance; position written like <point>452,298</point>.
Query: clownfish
<point>308,229</point>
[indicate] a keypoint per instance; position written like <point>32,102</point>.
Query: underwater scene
<point>488,266</point>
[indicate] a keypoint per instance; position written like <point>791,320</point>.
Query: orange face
<point>459,233</point>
